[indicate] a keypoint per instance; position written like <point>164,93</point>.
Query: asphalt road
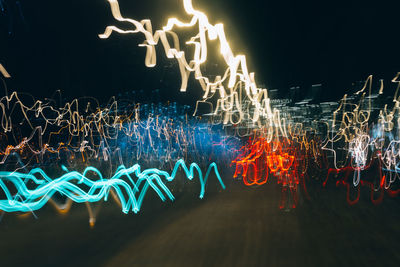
<point>239,226</point>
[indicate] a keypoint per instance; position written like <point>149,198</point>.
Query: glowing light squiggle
<point>130,193</point>
<point>4,71</point>
<point>241,101</point>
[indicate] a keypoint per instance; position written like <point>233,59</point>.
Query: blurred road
<point>240,226</point>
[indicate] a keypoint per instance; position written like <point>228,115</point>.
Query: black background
<point>50,45</point>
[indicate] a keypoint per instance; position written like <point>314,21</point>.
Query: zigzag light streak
<point>85,130</point>
<point>231,101</point>
<point>69,185</point>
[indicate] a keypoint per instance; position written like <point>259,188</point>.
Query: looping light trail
<point>80,188</point>
<point>242,100</point>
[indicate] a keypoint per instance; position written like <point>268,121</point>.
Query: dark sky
<point>49,45</point>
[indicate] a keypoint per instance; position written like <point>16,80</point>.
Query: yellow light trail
<point>4,71</point>
<point>241,99</point>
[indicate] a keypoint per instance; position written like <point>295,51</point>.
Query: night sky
<point>49,45</point>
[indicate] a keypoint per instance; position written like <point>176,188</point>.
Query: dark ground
<point>240,226</point>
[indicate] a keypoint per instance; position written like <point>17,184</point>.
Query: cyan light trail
<point>70,183</point>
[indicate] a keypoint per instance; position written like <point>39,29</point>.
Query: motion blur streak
<point>242,89</point>
<point>130,193</point>
<point>4,71</point>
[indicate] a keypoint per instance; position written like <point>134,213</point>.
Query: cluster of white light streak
<point>241,100</point>
<point>365,138</point>
<point>78,130</point>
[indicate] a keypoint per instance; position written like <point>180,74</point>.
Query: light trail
<point>241,93</point>
<point>4,71</point>
<point>79,188</point>
<point>124,134</point>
